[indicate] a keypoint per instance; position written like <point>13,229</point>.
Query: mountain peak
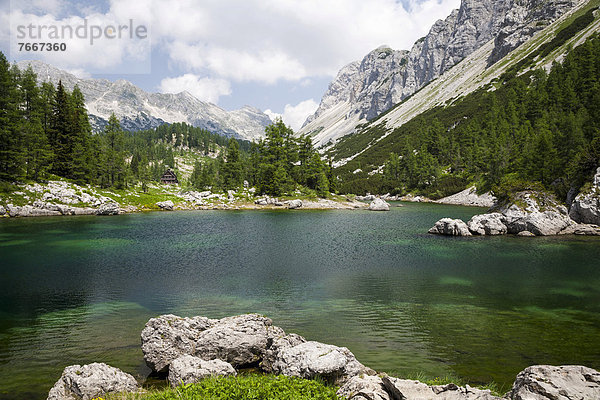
<point>383,78</point>
<point>137,109</point>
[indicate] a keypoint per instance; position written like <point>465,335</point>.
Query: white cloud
<point>294,116</point>
<point>124,54</point>
<point>80,73</point>
<point>205,89</point>
<point>260,41</point>
<point>270,40</point>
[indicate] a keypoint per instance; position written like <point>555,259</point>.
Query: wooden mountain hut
<point>169,178</point>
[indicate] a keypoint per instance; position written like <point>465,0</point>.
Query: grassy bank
<point>269,387</point>
<point>250,387</point>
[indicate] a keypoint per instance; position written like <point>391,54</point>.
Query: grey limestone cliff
<point>364,89</point>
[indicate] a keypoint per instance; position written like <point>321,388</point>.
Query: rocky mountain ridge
<point>138,109</point>
<point>364,89</point>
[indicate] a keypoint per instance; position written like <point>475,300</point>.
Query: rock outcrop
<point>194,348</point>
<point>294,204</point>
<point>168,337</point>
<point>523,20</point>
<point>241,340</point>
<point>379,205</point>
<point>542,382</point>
<point>165,205</point>
<point>91,381</point>
<point>538,213</point>
<point>189,369</point>
<point>469,197</point>
<point>529,214</point>
<point>487,224</point>
<point>586,206</point>
<point>247,340</point>
<point>108,209</point>
<point>450,227</point>
<point>364,89</point>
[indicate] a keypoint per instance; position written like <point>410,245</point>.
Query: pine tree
<point>61,129</point>
<point>82,165</point>
<point>113,149</point>
<point>232,169</point>
<point>37,151</point>
<point>11,143</point>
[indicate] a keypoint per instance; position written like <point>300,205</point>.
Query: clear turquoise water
<point>75,290</point>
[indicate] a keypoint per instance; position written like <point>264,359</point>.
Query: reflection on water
<point>78,290</point>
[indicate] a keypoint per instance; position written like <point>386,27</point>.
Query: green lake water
<point>75,290</point>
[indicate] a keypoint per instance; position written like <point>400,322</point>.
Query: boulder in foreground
<point>90,381</point>
<point>248,340</point>
<point>241,340</point>
<point>189,369</point>
<point>541,382</point>
<point>388,388</point>
<point>313,359</point>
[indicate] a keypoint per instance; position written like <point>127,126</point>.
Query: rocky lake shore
<point>530,213</point>
<point>187,350</point>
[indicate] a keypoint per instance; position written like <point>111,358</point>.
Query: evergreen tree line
<point>45,130</point>
<point>279,164</point>
<point>539,128</point>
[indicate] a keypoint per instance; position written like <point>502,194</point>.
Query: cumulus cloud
<point>270,40</point>
<point>86,36</point>
<point>258,41</point>
<point>205,89</point>
<point>294,116</point>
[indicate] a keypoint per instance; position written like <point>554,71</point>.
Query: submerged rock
<point>542,382</point>
<point>379,205</point>
<point>586,206</point>
<point>189,369</point>
<point>91,381</point>
<point>166,205</point>
<point>450,227</point>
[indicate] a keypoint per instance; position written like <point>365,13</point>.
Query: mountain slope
<point>466,77</point>
<point>385,77</point>
<point>137,109</point>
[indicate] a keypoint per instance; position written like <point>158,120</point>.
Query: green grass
<point>249,387</point>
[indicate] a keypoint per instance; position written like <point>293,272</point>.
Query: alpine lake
<point>76,290</point>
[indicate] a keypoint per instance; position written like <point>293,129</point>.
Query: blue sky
<point>276,55</point>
